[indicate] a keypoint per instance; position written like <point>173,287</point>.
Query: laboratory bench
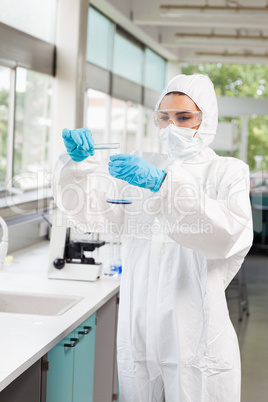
<point>29,343</point>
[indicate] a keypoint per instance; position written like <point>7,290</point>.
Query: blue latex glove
<point>79,143</point>
<point>136,171</point>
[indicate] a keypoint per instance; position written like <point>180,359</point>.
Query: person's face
<point>178,102</point>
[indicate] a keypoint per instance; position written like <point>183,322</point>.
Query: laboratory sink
<point>36,304</point>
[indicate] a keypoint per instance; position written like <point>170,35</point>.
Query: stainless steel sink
<point>36,304</point>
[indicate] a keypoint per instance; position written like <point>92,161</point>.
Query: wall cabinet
<point>70,376</point>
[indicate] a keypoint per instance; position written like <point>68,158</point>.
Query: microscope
<point>69,257</point>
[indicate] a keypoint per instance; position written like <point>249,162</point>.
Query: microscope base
<point>77,272</point>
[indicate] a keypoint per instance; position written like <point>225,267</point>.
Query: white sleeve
<point>218,226</point>
<point>79,190</point>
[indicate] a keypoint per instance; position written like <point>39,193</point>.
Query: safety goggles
<point>180,118</point>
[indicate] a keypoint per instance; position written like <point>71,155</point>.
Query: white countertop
<point>26,338</point>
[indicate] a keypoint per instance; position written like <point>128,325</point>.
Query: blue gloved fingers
<point>118,164</point>
<point>116,173</point>
<point>122,160</point>
<point>69,143</point>
<point>120,157</point>
<point>112,172</point>
<point>66,133</point>
<point>136,171</point>
<point>113,168</point>
<point>120,176</point>
<point>123,169</point>
<point>76,136</point>
<point>79,154</point>
<point>90,141</point>
<point>125,165</point>
<point>124,174</point>
<point>119,169</point>
<point>67,138</point>
<point>84,145</point>
<point>87,140</point>
<point>79,143</point>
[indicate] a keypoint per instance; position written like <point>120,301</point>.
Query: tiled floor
<point>253,330</point>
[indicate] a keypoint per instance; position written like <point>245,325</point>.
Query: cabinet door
<point>84,361</point>
<point>60,373</point>
<point>105,384</point>
<point>26,388</point>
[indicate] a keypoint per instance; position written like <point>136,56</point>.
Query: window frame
<point>105,80</point>
<point>19,49</point>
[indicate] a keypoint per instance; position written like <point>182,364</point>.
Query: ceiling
<point>226,31</point>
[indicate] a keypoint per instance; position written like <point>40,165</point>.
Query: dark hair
<point>176,93</point>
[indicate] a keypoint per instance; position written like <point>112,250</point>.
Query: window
<point>118,122</point>
<point>119,115</point>
<point>37,18</point>
<point>155,71</point>
<point>132,127</point>
<point>227,138</point>
<point>27,40</point>
<point>258,143</point>
<point>150,141</point>
<point>110,47</point>
<point>99,39</point>
<point>4,117</point>
<point>114,120</point>
<point>125,127</point>
<point>97,114</point>
<point>127,59</point>
<point>32,127</point>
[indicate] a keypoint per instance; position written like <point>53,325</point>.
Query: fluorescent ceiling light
<point>172,10</point>
<point>227,54</point>
<point>212,36</point>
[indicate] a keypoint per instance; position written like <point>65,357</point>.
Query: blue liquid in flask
<point>122,202</point>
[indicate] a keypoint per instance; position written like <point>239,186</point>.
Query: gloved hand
<point>136,171</point>
<point>79,143</point>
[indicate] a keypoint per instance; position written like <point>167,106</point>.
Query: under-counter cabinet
<point>105,371</point>
<point>80,368</point>
<point>26,388</point>
<point>70,375</point>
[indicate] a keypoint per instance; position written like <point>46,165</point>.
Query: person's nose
<point>171,122</point>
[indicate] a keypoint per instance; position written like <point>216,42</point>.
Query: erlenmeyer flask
<point>112,195</point>
<point>118,193</point>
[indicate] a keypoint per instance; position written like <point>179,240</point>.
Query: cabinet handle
<point>85,331</point>
<point>74,342</point>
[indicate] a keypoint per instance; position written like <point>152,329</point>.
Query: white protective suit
<point>181,247</point>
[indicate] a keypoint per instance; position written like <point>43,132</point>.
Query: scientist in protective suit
<point>184,238</point>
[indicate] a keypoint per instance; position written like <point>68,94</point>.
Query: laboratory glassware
<point>108,145</point>
<point>114,192</point>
